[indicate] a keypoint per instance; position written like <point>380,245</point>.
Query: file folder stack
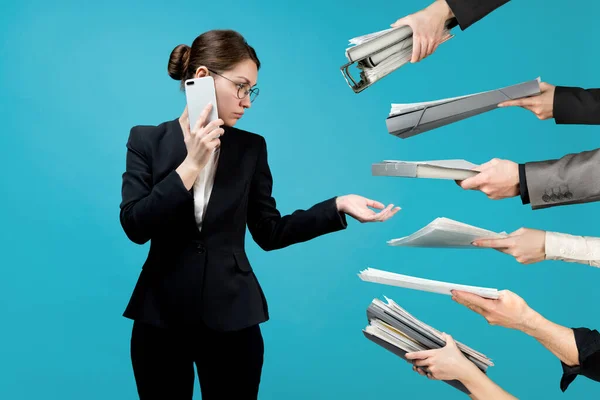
<point>396,330</point>
<point>406,120</point>
<point>377,55</point>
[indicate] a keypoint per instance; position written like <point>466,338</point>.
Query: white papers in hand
<point>368,37</point>
<point>426,285</point>
<point>446,233</point>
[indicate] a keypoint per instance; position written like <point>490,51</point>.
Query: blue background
<point>74,79</point>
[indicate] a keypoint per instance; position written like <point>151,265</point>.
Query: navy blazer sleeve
<point>574,105</point>
<point>272,231</point>
<point>146,208</point>
<point>467,12</point>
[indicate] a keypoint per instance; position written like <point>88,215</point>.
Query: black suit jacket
<point>467,12</point>
<point>191,276</point>
<point>574,105</point>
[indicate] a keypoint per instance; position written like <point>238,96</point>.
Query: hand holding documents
<point>378,54</point>
<point>426,285</point>
<point>406,120</point>
<point>446,233</point>
<point>396,330</point>
<point>441,169</point>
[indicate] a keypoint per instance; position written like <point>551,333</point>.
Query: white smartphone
<point>199,92</point>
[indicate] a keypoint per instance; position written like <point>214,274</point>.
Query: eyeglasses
<point>243,88</point>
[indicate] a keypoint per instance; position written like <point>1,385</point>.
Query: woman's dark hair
<point>218,50</point>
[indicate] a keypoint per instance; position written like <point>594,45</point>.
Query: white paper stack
<point>426,285</point>
<point>446,233</point>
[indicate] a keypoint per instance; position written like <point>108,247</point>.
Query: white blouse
<point>203,187</point>
<point>579,249</point>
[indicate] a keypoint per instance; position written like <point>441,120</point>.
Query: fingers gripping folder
<point>406,120</point>
<point>379,54</point>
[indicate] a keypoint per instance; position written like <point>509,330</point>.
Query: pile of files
<point>457,170</point>
<point>396,330</point>
<point>406,120</point>
<point>446,233</point>
<point>378,54</point>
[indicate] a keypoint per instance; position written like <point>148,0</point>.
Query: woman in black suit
<point>192,193</point>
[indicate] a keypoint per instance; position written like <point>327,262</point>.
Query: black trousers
<point>229,364</point>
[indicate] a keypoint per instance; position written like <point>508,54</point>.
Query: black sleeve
<point>523,184</point>
<point>272,231</point>
<point>588,346</point>
<point>146,208</point>
<point>467,12</point>
<point>573,105</point>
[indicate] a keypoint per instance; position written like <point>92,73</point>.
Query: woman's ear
<point>201,72</point>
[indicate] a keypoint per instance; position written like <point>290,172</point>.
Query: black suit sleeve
<point>573,105</point>
<point>467,12</point>
<point>588,346</point>
<point>146,208</point>
<point>272,231</point>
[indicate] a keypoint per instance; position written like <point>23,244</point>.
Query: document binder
<point>380,53</point>
<point>439,169</point>
<point>402,354</point>
<point>412,119</point>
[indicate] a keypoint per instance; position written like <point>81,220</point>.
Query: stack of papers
<point>439,169</point>
<point>406,120</point>
<point>396,330</point>
<point>426,285</point>
<point>446,233</point>
<point>378,54</point>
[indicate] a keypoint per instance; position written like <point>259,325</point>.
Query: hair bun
<point>178,61</point>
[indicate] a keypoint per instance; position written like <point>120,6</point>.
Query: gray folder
<point>427,117</point>
<point>440,169</point>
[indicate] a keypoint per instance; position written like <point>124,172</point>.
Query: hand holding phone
<point>203,139</point>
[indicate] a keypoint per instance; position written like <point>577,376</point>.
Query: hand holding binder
<point>450,364</point>
<point>379,54</point>
<point>396,330</point>
<point>498,179</point>
<point>542,106</point>
<point>428,26</point>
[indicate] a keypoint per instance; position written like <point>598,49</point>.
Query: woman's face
<point>227,86</point>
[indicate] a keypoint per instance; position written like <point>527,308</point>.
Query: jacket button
<point>201,249</point>
<point>546,198</point>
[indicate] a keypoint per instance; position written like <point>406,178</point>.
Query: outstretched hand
<point>358,208</point>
